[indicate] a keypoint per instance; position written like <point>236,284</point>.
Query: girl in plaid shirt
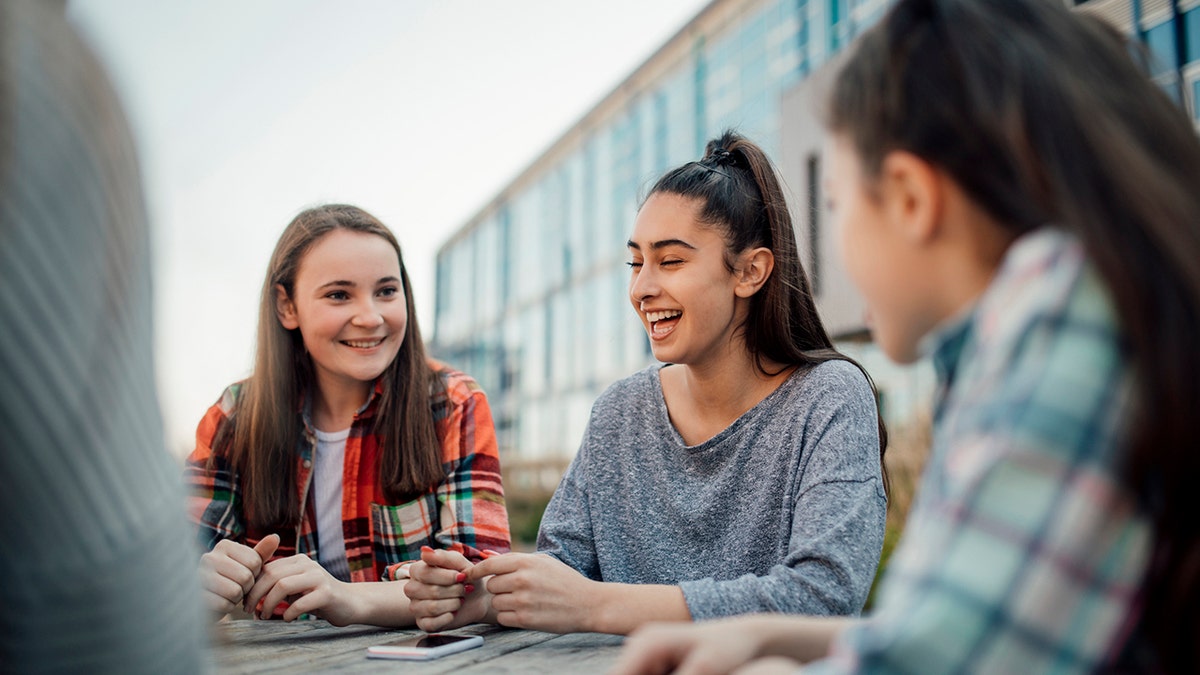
<point>347,450</point>
<point>1019,202</point>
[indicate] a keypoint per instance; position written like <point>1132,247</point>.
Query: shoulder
<point>830,384</point>
<point>452,388</point>
<point>1046,282</point>
<point>230,397</point>
<point>217,416</point>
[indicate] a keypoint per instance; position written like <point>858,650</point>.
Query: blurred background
<point>507,145</point>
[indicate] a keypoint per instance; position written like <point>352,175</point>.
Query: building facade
<point>532,292</point>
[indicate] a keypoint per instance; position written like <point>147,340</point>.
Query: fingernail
<point>427,549</point>
<point>487,553</point>
<point>460,577</point>
<point>470,588</point>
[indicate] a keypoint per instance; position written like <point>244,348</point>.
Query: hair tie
<point>720,155</point>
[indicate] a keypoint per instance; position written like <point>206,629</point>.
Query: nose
<point>367,316</point>
<point>643,285</point>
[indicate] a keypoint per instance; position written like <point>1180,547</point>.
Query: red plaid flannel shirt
<point>464,513</point>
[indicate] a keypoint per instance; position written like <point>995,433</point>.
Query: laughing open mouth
<point>662,322</point>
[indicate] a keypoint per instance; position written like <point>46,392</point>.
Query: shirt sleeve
<point>838,523</point>
<point>214,492</point>
<point>473,516</point>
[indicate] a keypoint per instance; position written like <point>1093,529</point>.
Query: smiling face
<point>348,303</point>
<point>680,286</point>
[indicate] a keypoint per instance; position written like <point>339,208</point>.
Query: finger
<point>433,624</point>
<point>421,591</point>
<point>640,657</point>
<point>451,560</point>
<point>266,547</point>
<point>297,584</point>
<point>272,572</point>
<point>309,603</point>
<point>508,618</point>
<point>242,554</point>
<point>225,576</point>
<point>218,603</point>
<point>501,564</point>
<point>437,576</point>
<point>432,608</point>
<point>223,587</point>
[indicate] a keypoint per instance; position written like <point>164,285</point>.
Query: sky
<point>418,111</point>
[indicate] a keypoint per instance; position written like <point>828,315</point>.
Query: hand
<point>228,572</point>
<point>709,648</point>
<point>439,596</point>
<point>772,665</point>
<point>308,587</point>
<point>537,591</point>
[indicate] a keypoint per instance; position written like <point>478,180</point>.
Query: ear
<point>911,195</point>
<point>285,309</point>
<point>757,264</point>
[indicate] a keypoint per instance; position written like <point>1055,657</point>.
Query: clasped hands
<point>234,574</point>
<point>521,590</point>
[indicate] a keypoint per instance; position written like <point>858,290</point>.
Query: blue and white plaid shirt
<point>1023,551</point>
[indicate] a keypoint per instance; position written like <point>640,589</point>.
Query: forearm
<point>621,608</point>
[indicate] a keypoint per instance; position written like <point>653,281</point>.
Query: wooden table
<point>316,646</point>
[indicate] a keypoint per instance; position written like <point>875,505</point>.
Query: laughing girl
<point>741,475</point>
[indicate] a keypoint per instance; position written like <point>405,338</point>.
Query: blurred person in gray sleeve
<point>96,566</point>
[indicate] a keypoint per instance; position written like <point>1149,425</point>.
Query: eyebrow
<point>656,245</point>
<point>351,284</point>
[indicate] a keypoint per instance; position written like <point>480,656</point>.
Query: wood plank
<point>315,646</point>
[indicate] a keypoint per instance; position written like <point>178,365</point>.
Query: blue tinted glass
<point>1191,34</point>
<point>1161,40</point>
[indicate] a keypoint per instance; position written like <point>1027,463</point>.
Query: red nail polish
<point>427,549</point>
<point>460,577</point>
<point>470,588</point>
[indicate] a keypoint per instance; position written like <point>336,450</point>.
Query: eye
<point>388,292</point>
<point>338,295</point>
<point>634,264</point>
<point>669,263</point>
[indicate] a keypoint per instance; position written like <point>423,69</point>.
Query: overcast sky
<point>247,112</point>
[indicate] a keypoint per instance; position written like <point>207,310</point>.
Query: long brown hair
<point>1042,116</point>
<point>264,429</point>
<point>741,196</point>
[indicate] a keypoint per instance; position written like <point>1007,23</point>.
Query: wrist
<point>597,607</point>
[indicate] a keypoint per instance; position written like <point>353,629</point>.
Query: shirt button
<point>308,463</point>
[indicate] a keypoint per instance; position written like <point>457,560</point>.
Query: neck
<point>728,386</point>
<point>335,404</point>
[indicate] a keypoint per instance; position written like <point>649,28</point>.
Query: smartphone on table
<point>424,647</point>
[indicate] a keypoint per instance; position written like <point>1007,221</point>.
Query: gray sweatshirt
<point>783,511</point>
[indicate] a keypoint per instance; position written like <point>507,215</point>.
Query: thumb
<point>266,547</point>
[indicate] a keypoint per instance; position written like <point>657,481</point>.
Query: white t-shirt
<point>327,499</point>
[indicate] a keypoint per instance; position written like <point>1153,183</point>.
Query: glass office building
<point>532,292</point>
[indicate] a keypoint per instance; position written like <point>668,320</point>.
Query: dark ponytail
<point>1042,116</point>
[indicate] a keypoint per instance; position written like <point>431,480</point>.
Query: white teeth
<point>360,344</point>
<point>659,316</point>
